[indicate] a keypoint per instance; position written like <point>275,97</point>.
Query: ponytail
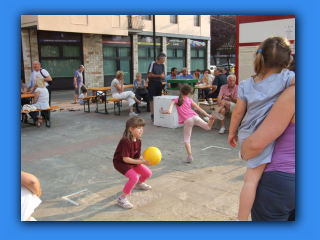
<point>259,63</point>
<point>180,100</point>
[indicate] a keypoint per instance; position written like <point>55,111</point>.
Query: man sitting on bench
<point>227,99</point>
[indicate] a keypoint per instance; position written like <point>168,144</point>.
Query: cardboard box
<point>165,120</point>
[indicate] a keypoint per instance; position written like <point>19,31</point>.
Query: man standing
<point>173,75</point>
<point>38,72</point>
<point>219,80</point>
<point>155,75</point>
<point>227,99</point>
<point>78,83</point>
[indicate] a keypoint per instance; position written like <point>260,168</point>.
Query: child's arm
<point>170,108</point>
<point>136,161</point>
<point>31,182</point>
<point>235,121</point>
<point>293,81</point>
<point>199,109</point>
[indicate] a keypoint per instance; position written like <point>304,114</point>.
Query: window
<point>173,19</point>
<point>114,59</point>
<point>198,59</point>
<point>146,17</point>
<point>175,58</point>
<point>145,55</point>
<point>60,60</point>
<point>197,20</point>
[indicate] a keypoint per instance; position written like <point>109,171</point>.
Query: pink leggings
<point>188,125</point>
<point>132,174</point>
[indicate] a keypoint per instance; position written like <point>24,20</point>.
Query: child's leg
<point>133,179</point>
<point>248,192</point>
<point>187,129</point>
<point>144,172</point>
<point>199,122</point>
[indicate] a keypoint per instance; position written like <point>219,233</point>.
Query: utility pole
<point>154,37</point>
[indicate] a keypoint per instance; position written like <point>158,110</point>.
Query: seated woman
<point>40,100</point>
<point>24,89</point>
<point>139,88</point>
<point>207,79</point>
<point>118,92</point>
<point>197,74</point>
<point>30,195</point>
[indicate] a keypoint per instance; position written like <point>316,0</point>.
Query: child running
<point>258,94</point>
<point>127,160</point>
<point>188,117</point>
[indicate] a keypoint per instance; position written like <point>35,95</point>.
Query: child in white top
<point>258,94</point>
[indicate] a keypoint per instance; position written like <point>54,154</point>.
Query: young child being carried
<point>258,94</point>
<point>188,117</point>
<point>128,161</point>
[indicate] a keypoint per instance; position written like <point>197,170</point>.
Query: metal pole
<point>154,37</point>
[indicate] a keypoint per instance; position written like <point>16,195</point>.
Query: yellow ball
<point>154,154</point>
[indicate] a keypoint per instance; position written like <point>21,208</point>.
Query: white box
<point>165,120</point>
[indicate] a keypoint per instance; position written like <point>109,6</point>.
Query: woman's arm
<point>278,119</point>
<point>236,117</point>
<point>170,108</point>
<point>199,109</point>
<point>31,182</point>
<point>36,95</point>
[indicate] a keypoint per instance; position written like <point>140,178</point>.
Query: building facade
<point>105,44</point>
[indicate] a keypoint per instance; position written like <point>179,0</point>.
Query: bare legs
<point>248,192</point>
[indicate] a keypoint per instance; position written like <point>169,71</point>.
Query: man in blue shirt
<point>185,74</point>
<point>173,75</point>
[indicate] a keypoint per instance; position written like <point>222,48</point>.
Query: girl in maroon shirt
<point>128,161</point>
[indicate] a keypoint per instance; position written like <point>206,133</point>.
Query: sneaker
<point>222,129</point>
<point>142,186</point>
<point>206,119</point>
<point>133,114</point>
<point>124,202</point>
<point>189,159</point>
<point>216,115</point>
<point>143,104</point>
<point>152,117</point>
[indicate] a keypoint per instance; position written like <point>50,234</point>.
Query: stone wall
<point>30,51</point>
<point>93,60</point>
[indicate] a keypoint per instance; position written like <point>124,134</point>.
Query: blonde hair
<point>184,90</point>
<point>40,83</point>
<point>274,52</point>
<point>119,74</point>
<point>132,122</point>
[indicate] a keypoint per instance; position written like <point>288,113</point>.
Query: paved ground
<point>73,159</point>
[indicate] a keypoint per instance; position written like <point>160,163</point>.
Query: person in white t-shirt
<point>40,100</point>
<point>39,73</point>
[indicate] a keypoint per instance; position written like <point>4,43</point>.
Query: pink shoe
<point>189,159</point>
<point>216,115</point>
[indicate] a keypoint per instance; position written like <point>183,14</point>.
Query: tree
<point>223,35</point>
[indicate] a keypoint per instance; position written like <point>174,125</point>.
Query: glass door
<point>125,67</point>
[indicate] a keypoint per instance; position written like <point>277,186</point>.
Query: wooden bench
<point>116,102</point>
<point>87,100</point>
<point>46,114</point>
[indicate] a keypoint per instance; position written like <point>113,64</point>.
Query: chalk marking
<point>69,200</point>
<point>215,147</point>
